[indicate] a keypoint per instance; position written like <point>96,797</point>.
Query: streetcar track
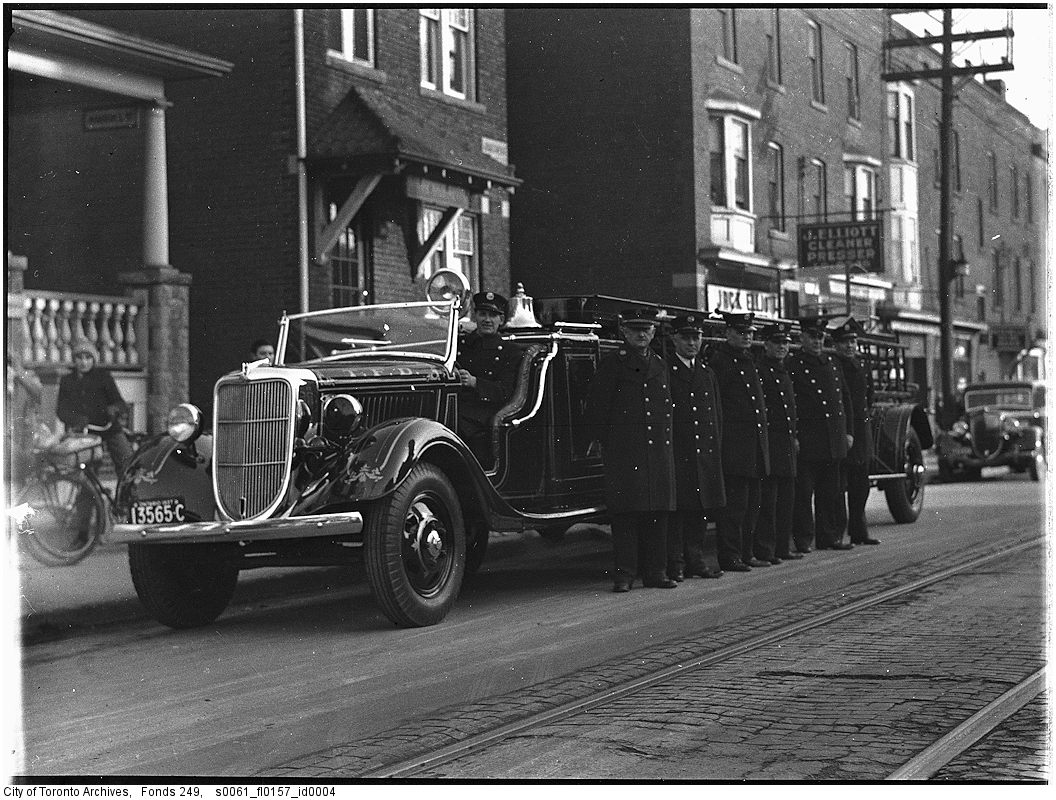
<point>476,743</point>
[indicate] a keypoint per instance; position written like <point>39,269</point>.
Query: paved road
<point>273,680</point>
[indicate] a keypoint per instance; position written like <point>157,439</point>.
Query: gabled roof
<point>376,122</point>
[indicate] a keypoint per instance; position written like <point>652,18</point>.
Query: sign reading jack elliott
<point>842,244</point>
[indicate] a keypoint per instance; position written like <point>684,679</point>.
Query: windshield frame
<point>451,307</point>
<point>996,393</point>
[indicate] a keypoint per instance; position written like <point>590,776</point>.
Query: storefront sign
<point>108,119</point>
<point>726,298</point>
<point>496,149</point>
<point>842,244</point>
<point>1008,338</point>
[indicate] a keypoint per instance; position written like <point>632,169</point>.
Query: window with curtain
<point>447,47</point>
<point>773,47</point>
<point>776,185</point>
<point>816,60</point>
<point>854,98</point>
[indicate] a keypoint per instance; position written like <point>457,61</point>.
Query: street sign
<point>842,244</point>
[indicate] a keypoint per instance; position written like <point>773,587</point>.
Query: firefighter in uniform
<point>629,406</point>
<point>855,469</point>
<point>773,529</point>
<point>822,409</point>
<point>487,369</point>
<point>744,443</point>
<point>697,422</point>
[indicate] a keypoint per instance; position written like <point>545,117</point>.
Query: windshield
<point>403,329</point>
<point>998,398</point>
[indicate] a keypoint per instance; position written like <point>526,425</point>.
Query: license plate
<point>157,512</point>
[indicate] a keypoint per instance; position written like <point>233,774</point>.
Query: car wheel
<point>905,498</point>
<point>183,585</point>
<point>415,549</point>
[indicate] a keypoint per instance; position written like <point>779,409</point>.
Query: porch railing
<point>54,320</point>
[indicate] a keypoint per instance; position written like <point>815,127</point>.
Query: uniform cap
<point>492,301</point>
<point>739,322</point>
<point>688,322</point>
<point>638,316</point>
<point>845,328</point>
<point>777,332</point>
<point>815,325</point>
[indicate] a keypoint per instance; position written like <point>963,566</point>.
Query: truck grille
<point>380,407</point>
<point>253,445</point>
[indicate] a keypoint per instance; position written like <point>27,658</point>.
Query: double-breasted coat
<point>697,424</point>
<point>822,406</point>
<point>629,409</point>
<point>781,418</point>
<point>860,389</point>
<point>745,445</point>
<point>493,362</point>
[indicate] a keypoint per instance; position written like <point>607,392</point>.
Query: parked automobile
<point>346,450</point>
<point>1002,424</point>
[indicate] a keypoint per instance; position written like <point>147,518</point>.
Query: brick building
<point>672,153</point>
<point>346,155</point>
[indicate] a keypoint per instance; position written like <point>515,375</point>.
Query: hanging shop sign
<point>842,244</point>
<point>727,298</point>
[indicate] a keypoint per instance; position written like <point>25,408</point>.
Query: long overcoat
<point>629,409</point>
<point>822,406</point>
<point>493,362</point>
<point>860,389</point>
<point>745,445</point>
<point>697,420</point>
<point>781,420</point>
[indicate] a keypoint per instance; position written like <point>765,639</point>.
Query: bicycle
<point>65,507</point>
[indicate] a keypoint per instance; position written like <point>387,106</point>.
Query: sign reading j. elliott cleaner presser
<point>842,244</point>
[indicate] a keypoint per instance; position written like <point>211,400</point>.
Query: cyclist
<point>88,396</point>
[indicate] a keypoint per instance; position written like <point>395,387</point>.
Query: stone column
<point>164,294</point>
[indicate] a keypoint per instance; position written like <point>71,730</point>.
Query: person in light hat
<point>487,371</point>
<point>823,411</point>
<point>855,468</point>
<point>773,529</point>
<point>629,412</point>
<point>697,424</point>
<point>88,396</point>
<point>745,447</point>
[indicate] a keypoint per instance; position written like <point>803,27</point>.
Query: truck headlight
<point>960,427</point>
<point>342,414</point>
<point>184,423</point>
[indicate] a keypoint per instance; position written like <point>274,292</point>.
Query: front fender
<point>374,464</point>
<point>165,468</point>
<point>889,426</point>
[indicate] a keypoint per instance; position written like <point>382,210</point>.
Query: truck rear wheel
<point>905,497</point>
<point>414,548</point>
<point>183,585</point>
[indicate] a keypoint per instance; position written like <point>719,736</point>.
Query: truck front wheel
<point>414,548</point>
<point>183,585</point>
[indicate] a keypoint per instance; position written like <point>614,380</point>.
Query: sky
<point>1029,83</point>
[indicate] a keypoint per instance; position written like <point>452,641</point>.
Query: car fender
<point>165,468</point>
<point>375,463</point>
<point>889,426</point>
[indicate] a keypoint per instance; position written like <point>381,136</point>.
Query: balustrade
<point>54,320</point>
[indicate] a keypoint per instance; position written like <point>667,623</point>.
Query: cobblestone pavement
<point>1016,750</point>
<point>852,700</point>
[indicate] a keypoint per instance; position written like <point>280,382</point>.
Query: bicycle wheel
<point>68,517</point>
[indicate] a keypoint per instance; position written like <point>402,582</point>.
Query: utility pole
<point>946,270</point>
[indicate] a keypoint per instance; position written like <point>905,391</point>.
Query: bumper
<point>240,530</point>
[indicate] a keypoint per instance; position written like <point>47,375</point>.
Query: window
<point>447,48</point>
<point>980,308</point>
<point>349,271</point>
<point>1017,283</point>
<point>730,160</point>
<point>900,124</point>
<point>958,253</point>
<point>1029,192</point>
<point>773,47</point>
<point>819,193</point>
<point>956,140</point>
<point>859,189</point>
<point>1033,286</point>
<point>817,64</point>
<point>458,248</point>
<point>979,219</point>
<point>1013,182</point>
<point>351,35</point>
<point>991,161</point>
<point>776,186</point>
<point>728,29</point>
<point>853,88</point>
<point>999,281</point>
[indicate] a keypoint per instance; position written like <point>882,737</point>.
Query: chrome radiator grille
<point>253,446</point>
